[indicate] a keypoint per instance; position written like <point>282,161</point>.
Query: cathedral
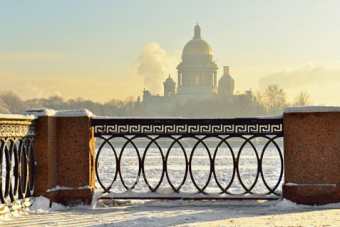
<point>196,79</point>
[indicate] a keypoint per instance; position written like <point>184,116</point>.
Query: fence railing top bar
<point>188,121</point>
<point>181,126</point>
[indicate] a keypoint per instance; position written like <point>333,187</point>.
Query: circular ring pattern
<point>236,146</point>
<point>17,169</point>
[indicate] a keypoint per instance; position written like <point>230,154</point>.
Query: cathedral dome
<point>197,45</point>
<point>169,81</point>
<point>226,78</point>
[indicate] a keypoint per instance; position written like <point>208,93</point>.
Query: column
<point>179,80</point>
<point>64,149</point>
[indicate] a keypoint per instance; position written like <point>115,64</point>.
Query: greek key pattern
<point>187,126</point>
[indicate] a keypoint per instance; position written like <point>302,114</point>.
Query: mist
<point>321,81</point>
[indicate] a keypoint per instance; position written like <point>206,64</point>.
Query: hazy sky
<point>110,49</point>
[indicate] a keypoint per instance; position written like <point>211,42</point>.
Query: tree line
<point>12,103</point>
<point>274,99</point>
<point>271,101</point>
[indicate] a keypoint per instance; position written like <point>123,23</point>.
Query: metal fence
<point>17,164</point>
<point>248,147</point>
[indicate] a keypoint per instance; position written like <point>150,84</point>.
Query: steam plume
<point>155,64</point>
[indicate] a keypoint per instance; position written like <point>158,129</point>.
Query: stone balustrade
<point>64,148</point>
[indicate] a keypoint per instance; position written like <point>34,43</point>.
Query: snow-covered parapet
<point>270,117</point>
<point>312,109</point>
<point>59,113</point>
<point>17,117</point>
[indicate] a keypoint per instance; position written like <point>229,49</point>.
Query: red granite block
<point>312,194</point>
<point>64,151</point>
<point>312,157</point>
<point>75,197</point>
<point>45,152</point>
<point>74,151</point>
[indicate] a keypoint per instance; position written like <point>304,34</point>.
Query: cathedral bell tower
<point>169,87</point>
<point>226,84</point>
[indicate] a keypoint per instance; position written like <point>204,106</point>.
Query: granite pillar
<point>312,155</point>
<point>64,151</point>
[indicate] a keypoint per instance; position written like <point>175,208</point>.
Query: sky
<point>102,50</point>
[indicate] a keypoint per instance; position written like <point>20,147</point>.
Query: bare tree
<point>302,99</point>
<point>3,107</point>
<point>274,99</point>
<point>13,102</point>
<point>258,98</point>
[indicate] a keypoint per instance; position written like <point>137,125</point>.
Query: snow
<point>285,205</point>
<point>270,117</point>
<point>58,188</point>
<point>17,117</point>
<point>59,113</point>
<point>176,213</point>
<point>42,205</point>
<point>311,109</point>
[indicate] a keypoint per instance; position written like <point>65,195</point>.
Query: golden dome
<point>197,45</point>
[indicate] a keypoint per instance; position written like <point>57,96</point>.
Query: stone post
<point>312,155</point>
<point>64,151</point>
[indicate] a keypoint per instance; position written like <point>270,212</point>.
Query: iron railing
<point>17,164</point>
<point>120,140</point>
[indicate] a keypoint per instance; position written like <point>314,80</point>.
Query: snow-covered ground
<point>180,213</point>
<point>176,213</point>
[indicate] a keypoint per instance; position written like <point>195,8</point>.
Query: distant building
<point>197,73</point>
<point>197,79</point>
<point>226,84</point>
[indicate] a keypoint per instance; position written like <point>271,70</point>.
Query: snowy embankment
<point>175,213</point>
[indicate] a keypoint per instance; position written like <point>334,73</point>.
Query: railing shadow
<point>179,213</point>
